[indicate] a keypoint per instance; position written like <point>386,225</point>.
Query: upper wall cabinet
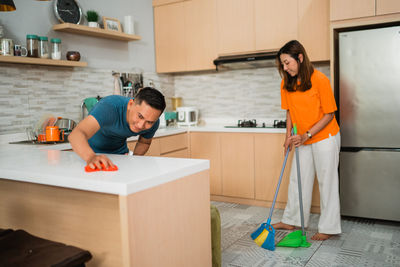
<point>275,23</point>
<point>235,20</point>
<point>344,9</point>
<point>185,36</point>
<point>313,28</point>
<point>257,25</point>
<point>384,7</point>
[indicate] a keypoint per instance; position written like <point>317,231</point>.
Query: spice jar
<point>32,45</point>
<point>55,48</point>
<point>43,47</point>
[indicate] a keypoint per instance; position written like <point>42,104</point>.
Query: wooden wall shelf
<point>42,61</point>
<point>96,32</point>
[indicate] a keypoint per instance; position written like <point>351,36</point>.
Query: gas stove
<point>253,124</point>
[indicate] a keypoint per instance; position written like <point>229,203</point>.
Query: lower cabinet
<point>208,146</point>
<point>175,146</point>
<point>245,167</point>
<point>237,164</point>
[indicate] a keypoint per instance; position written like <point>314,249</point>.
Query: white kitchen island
<point>152,212</point>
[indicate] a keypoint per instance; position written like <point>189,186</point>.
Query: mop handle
<point>299,184</point>
<point>279,184</point>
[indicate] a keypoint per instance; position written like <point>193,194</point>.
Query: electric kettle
<point>187,116</point>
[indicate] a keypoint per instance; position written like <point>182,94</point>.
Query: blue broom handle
<point>299,185</point>
<point>279,184</point>
<point>277,187</point>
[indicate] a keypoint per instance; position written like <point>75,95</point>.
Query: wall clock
<point>68,11</point>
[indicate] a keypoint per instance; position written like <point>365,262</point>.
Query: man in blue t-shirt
<point>112,121</point>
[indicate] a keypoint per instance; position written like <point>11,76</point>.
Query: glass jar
<point>43,47</point>
<point>32,45</point>
<point>56,48</point>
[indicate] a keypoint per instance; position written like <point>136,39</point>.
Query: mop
<point>297,238</point>
<point>264,236</point>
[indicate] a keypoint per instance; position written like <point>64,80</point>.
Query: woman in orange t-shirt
<point>308,99</point>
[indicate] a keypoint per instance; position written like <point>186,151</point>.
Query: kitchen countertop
<point>66,169</point>
<point>50,165</point>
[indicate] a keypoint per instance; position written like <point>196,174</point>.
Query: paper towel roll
<point>129,26</point>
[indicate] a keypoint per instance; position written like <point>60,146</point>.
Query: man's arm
<point>142,146</point>
<point>79,141</point>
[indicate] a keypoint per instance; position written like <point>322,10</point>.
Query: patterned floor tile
<point>364,242</point>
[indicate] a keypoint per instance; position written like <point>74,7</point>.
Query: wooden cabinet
<point>200,35</point>
<point>384,7</point>
<point>344,9</point>
<point>175,146</point>
<point>237,163</point>
<point>313,28</point>
<point>245,167</point>
<point>235,20</point>
<point>275,23</point>
<point>208,146</point>
<point>269,156</point>
<point>259,25</point>
<point>169,30</point>
<point>185,36</point>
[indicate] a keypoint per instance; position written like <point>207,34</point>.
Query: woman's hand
<point>297,140</point>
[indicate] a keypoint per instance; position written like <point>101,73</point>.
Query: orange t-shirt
<point>307,108</point>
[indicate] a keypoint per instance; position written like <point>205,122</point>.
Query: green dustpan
<point>297,238</point>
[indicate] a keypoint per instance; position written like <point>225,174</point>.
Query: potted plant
<point>92,18</point>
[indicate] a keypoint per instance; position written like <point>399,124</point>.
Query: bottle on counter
<point>56,48</point>
<point>43,47</point>
<point>32,45</point>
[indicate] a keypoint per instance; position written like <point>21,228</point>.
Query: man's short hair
<point>152,97</point>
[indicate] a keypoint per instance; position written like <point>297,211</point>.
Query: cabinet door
<point>269,155</point>
<point>200,34</point>
<point>345,9</point>
<point>173,143</point>
<point>183,153</point>
<point>313,28</point>
<point>237,158</point>
<point>169,34</point>
<point>275,23</point>
<point>387,7</point>
<point>207,146</point>
<point>235,19</point>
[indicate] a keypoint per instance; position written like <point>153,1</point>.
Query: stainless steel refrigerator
<point>367,89</point>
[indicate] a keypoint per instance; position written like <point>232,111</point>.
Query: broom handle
<point>299,185</point>
<point>277,187</point>
<point>279,184</point>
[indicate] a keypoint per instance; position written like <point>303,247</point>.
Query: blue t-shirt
<point>110,113</point>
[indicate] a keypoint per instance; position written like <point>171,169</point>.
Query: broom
<point>264,236</point>
<point>297,238</point>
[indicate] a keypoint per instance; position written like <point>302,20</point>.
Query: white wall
<point>37,17</point>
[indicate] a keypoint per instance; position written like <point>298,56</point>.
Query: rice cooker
<point>187,116</point>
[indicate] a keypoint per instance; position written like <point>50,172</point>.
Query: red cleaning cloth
<point>109,169</point>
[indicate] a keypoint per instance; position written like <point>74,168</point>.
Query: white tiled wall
<point>29,92</point>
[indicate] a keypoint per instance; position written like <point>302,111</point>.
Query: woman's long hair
<point>294,48</point>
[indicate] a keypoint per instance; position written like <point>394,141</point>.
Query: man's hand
<point>96,160</point>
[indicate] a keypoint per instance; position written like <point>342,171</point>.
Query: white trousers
<point>321,159</point>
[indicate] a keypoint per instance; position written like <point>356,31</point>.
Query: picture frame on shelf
<point>112,24</point>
